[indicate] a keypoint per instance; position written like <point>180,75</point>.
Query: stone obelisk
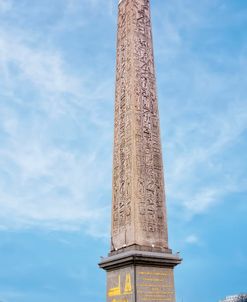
<point>140,264</point>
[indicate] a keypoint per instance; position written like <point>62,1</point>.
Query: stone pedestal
<point>140,276</point>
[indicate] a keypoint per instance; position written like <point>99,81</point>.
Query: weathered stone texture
<point>138,205</point>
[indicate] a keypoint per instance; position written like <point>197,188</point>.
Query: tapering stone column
<point>140,263</point>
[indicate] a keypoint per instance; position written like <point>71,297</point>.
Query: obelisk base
<point>139,276</point>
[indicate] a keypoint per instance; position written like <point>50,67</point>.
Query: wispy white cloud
<point>192,239</point>
<point>203,106</point>
<point>200,164</point>
<point>52,166</point>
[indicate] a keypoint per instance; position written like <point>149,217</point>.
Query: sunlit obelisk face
<point>138,207</point>
<point>140,264</point>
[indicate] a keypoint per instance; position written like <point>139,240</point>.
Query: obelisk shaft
<point>138,206</point>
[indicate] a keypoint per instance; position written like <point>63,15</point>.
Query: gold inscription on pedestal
<point>128,287</point>
<point>155,284</point>
<point>115,291</point>
<point>120,287</point>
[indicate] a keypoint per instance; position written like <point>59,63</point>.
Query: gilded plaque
<point>155,284</point>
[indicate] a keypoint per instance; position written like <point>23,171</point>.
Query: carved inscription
<point>155,284</point>
<point>149,164</point>
<point>138,187</point>
<point>123,145</point>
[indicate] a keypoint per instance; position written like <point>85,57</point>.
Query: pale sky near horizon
<point>57,72</point>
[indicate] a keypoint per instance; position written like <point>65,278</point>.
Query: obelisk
<point>140,264</point>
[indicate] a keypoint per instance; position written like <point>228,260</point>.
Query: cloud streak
<point>51,162</point>
<point>203,102</point>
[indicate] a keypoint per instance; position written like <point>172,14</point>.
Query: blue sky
<point>57,68</point>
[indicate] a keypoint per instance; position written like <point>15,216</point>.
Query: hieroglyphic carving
<point>137,167</point>
<point>122,124</point>
<point>150,168</point>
